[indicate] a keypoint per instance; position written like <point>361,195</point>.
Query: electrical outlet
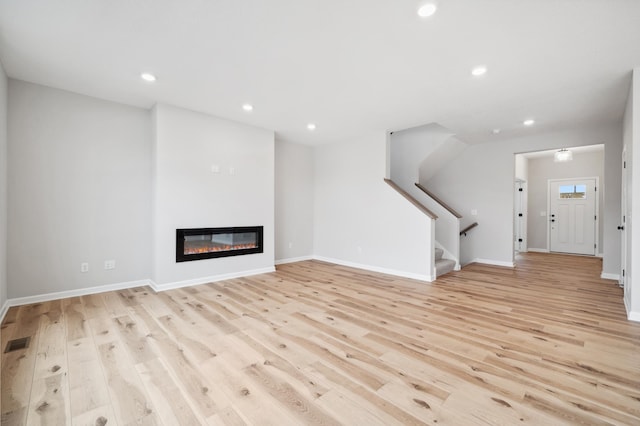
<point>84,267</point>
<point>290,245</point>
<point>109,264</point>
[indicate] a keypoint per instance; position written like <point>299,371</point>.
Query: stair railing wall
<point>430,216</point>
<point>447,226</point>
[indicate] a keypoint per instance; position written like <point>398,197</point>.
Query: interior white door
<point>623,227</point>
<point>572,216</point>
<point>520,216</point>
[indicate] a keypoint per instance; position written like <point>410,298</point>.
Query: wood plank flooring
<point>546,343</point>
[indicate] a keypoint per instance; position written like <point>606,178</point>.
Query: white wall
<point>522,168</point>
<point>79,185</point>
<point>359,219</point>
<point>3,188</point>
<point>187,194</point>
<point>408,148</point>
<point>293,201</point>
<point>584,164</point>
<point>482,178</point>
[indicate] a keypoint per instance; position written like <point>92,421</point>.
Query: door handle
<point>620,228</point>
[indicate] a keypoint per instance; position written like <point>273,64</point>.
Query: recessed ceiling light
<point>496,131</point>
<point>529,122</point>
<point>479,70</point>
<point>427,9</point>
<point>148,76</point>
<point>311,126</point>
<point>247,107</point>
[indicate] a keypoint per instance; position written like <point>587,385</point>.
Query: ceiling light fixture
<point>529,122</point>
<point>479,70</point>
<point>311,126</point>
<point>148,77</point>
<point>496,131</point>
<point>562,156</point>
<point>427,9</point>
<point>247,107</point>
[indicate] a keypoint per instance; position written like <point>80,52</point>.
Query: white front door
<point>572,216</point>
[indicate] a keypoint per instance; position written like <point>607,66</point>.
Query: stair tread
<point>444,266</point>
<point>439,253</point>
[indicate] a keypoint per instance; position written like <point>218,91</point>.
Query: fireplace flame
<point>216,248</point>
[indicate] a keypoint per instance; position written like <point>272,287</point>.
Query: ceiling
<point>350,67</point>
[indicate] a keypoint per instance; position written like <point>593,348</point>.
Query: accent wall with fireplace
<point>213,198</point>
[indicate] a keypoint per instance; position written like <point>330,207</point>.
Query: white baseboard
<point>631,315</point>
<point>204,280</point>
<point>538,250</point>
<point>395,272</point>
<point>18,301</point>
<point>3,310</point>
<point>607,276</point>
<point>39,298</point>
<point>494,262</point>
<point>293,260</point>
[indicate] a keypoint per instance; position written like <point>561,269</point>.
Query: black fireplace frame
<point>182,233</point>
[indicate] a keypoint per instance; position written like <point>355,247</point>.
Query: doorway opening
<point>534,170</point>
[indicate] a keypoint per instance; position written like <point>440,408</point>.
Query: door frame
<point>597,211</point>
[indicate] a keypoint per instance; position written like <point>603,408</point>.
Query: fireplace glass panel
<point>219,242</point>
<point>204,243</point>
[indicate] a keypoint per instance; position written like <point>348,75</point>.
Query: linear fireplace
<point>206,243</point>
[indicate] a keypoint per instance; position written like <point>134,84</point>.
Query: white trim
<point>205,280</point>
<point>4,310</point>
<point>38,298</point>
<point>631,315</point>
<point>395,272</point>
<point>494,262</point>
<point>293,260</point>
<point>608,276</point>
<point>18,301</point>
<point>538,250</point>
<point>601,255</point>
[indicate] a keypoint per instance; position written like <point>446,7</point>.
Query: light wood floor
<point>547,344</point>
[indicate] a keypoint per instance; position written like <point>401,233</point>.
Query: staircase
<point>443,266</point>
<point>417,155</point>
